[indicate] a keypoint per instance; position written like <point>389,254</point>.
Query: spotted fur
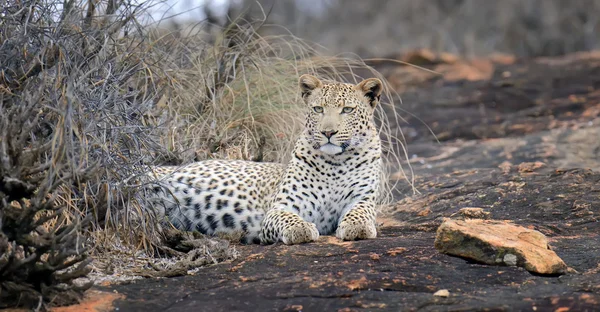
<point>330,185</point>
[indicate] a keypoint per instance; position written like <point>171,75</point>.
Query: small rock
<point>530,166</point>
<point>471,213</point>
<point>510,259</point>
<point>442,293</point>
<point>498,242</point>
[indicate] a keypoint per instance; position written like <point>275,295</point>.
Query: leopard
<point>331,184</point>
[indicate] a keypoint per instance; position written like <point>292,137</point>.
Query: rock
<point>510,260</point>
<point>498,242</point>
<point>471,213</point>
<point>400,268</point>
<point>444,293</point>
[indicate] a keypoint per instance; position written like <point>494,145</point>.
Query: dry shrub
<point>90,98</point>
<point>40,254</point>
<point>68,122</point>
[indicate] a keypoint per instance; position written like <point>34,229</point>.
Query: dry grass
<point>239,99</point>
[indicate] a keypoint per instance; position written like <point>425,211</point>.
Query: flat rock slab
<point>498,243</point>
<point>401,269</point>
<point>493,98</point>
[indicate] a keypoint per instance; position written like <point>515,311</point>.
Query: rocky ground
<point>518,138</point>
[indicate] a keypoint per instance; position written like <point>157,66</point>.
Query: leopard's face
<point>340,116</point>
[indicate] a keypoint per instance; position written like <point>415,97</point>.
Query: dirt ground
<point>518,138</point>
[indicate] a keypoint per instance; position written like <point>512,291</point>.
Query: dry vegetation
<point>90,96</point>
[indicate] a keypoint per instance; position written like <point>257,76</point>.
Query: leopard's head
<point>340,115</point>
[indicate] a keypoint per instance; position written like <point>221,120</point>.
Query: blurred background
<point>384,28</point>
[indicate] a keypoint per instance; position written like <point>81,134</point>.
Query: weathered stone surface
<point>401,269</point>
<point>471,213</point>
<point>498,243</point>
<point>493,98</point>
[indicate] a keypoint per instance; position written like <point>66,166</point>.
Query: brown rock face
<point>500,243</point>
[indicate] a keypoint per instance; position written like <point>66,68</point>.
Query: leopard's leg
<point>288,227</point>
<point>358,222</point>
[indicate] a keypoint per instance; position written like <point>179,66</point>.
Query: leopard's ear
<point>308,84</point>
<point>371,89</point>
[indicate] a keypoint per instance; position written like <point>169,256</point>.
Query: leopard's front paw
<point>353,231</point>
<point>302,232</point>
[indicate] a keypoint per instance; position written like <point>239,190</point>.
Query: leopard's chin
<point>331,149</point>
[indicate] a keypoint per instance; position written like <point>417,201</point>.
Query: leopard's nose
<point>328,134</point>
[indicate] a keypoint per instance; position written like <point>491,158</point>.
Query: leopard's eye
<point>318,109</point>
<point>347,110</point>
